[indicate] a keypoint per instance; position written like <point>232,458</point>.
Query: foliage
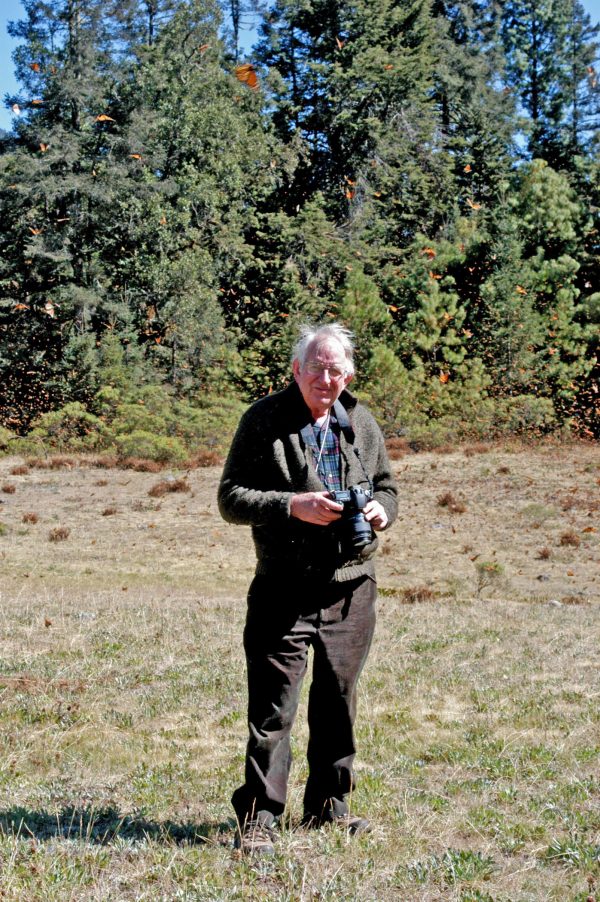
<point>424,172</point>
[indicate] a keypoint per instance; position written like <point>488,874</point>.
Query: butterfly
<point>246,73</point>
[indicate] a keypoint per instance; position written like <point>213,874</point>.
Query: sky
<point>11,10</point>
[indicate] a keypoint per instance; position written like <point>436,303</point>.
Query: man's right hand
<point>315,507</point>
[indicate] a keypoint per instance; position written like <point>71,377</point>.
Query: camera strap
<point>346,427</point>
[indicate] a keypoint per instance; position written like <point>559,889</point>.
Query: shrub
<point>59,534</point>
<point>160,448</point>
<point>30,517</point>
<point>71,428</point>
<point>6,437</point>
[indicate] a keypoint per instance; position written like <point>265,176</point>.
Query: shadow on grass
<point>107,825</point>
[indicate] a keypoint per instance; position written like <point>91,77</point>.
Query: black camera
<point>356,531</point>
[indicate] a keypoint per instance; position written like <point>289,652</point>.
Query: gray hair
<point>318,335</point>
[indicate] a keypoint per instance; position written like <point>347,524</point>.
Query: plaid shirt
<point>328,467</point>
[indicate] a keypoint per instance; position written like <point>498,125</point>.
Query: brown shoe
<point>255,838</point>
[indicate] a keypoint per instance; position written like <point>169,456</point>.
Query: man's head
<point>323,365</point>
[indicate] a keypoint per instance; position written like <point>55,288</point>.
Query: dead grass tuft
<point>36,463</point>
<point>29,517</point>
<point>109,511</point>
<point>59,534</point>
<point>397,447</point>
<point>574,600</point>
<point>105,462</point>
<point>101,482</point>
<point>203,459</point>
<point>9,488</point>
<point>61,462</point>
<point>141,465</point>
<point>451,503</point>
<point>504,470</point>
<point>417,595</point>
<point>168,485</point>
<point>544,554</point>
<point>20,470</point>
<point>477,448</point>
<point>446,448</point>
<point>570,538</point>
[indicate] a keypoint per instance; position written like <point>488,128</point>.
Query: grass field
<point>122,690</point>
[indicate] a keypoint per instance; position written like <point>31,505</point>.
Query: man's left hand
<point>375,514</point>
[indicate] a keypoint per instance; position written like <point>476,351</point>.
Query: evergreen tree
<point>551,51</point>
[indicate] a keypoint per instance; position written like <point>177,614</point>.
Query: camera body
<point>356,531</point>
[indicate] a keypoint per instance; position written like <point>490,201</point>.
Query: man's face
<point>323,376</point>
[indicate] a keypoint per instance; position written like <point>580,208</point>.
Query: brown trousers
<point>338,621</point>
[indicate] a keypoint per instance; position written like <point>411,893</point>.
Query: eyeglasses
<point>315,369</point>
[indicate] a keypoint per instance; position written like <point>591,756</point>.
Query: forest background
<point>426,172</point>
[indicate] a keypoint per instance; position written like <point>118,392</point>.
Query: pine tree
<point>551,50</point>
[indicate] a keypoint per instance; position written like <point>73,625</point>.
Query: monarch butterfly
<point>246,73</point>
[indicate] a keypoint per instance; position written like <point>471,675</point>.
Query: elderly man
<point>315,579</point>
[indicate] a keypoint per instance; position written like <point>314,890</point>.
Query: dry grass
<point>59,534</point>
<point>168,485</point>
<point>122,693</point>
<point>29,517</point>
<point>571,538</point>
<point>451,503</point>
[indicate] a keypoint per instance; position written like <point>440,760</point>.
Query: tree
<point>551,50</point>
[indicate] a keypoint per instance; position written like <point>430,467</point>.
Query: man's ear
<point>348,379</point>
<point>296,369</point>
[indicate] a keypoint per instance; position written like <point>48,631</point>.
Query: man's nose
<point>324,376</point>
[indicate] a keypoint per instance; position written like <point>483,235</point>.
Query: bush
<point>6,437</point>
<point>71,428</point>
<point>160,448</point>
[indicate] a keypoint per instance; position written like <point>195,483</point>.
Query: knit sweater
<point>269,462</point>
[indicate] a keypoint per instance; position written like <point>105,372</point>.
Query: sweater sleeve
<point>241,496</point>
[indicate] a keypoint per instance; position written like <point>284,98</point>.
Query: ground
<point>122,688</point>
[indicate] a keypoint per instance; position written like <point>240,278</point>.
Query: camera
<point>356,531</point>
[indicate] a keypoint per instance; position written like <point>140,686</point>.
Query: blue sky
<point>12,10</point>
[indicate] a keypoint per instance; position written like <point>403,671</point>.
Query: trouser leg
<point>276,644</point>
<point>340,647</point>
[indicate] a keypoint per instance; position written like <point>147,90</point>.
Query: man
<point>315,579</point>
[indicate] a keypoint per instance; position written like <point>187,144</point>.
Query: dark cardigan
<point>268,462</point>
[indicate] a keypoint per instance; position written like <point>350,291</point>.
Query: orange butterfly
<point>444,377</point>
<point>104,118</point>
<point>246,73</point>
